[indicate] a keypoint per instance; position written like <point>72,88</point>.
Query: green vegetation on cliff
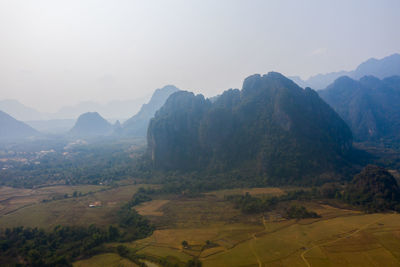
<point>272,128</point>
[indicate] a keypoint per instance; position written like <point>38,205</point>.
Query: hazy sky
<point>55,53</point>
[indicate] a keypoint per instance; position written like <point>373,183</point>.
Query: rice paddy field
<point>105,260</point>
<point>217,233</point>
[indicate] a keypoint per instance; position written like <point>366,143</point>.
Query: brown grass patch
<point>13,199</point>
<point>151,208</point>
<point>274,191</point>
<point>65,210</point>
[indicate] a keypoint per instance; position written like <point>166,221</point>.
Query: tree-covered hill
<point>375,189</point>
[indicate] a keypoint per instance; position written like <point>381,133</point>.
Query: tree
<point>329,190</point>
<point>194,263</point>
<point>113,233</point>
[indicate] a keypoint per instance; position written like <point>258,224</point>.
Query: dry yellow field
<point>275,191</point>
<point>151,208</point>
<point>105,260</point>
<point>220,235</point>
<point>339,238</point>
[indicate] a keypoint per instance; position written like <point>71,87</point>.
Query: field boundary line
<point>340,238</point>
<point>17,209</point>
<point>253,251</point>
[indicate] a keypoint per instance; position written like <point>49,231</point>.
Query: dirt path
<point>254,236</point>
<point>253,239</point>
<point>338,239</point>
<point>253,250</point>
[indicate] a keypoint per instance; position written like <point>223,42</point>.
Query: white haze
<point>56,53</point>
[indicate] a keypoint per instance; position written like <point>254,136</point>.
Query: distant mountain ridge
<point>136,126</point>
<point>370,106</point>
<point>20,111</point>
<point>12,129</point>
<point>380,68</point>
<point>60,126</point>
<point>271,128</point>
<point>91,124</point>
<point>116,109</point>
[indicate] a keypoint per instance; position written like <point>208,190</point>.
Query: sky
<point>55,53</point>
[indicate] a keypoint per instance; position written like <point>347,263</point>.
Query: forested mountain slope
<point>271,128</point>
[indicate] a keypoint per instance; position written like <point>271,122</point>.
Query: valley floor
<point>339,238</point>
<point>216,232</point>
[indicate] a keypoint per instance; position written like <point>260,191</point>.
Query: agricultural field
<point>216,233</point>
<point>13,199</point>
<point>28,208</point>
<point>105,260</point>
<point>273,191</point>
<point>220,235</point>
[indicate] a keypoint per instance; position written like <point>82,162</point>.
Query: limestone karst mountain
<point>270,128</point>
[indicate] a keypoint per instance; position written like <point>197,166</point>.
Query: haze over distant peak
<point>114,109</point>
<point>370,106</point>
<point>137,124</point>
<point>380,68</point>
<point>91,124</point>
<point>12,129</point>
<point>19,111</point>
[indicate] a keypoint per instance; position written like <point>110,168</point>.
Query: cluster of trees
<point>130,254</point>
<point>63,244</point>
<point>193,183</point>
<point>373,189</point>
<point>91,164</point>
<point>142,195</point>
<point>249,204</point>
<point>135,225</point>
<point>299,212</point>
<point>58,247</point>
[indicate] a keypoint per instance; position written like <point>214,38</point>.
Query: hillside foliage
<point>271,128</point>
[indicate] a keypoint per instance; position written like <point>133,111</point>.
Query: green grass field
<point>71,211</point>
<point>12,199</point>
